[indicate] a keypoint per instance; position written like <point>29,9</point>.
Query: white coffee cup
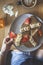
<point>28,3</point>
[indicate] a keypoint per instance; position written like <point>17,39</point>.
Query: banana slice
<point>31,40</point>
<point>33,33</point>
<point>24,29</point>
<point>18,39</point>
<point>35,25</point>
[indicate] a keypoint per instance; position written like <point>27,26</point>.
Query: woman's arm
<point>4,50</point>
<point>3,58</point>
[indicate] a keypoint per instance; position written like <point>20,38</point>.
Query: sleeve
<point>18,58</point>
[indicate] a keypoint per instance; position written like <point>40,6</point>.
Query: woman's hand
<point>7,42</point>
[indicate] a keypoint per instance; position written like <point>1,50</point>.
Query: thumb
<point>10,41</point>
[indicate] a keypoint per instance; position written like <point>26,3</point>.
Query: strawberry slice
<point>27,21</point>
<point>40,33</point>
<point>12,35</point>
<point>25,38</point>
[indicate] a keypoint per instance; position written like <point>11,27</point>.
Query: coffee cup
<point>27,3</point>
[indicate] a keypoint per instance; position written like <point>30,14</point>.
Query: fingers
<point>8,40</point>
<point>4,41</point>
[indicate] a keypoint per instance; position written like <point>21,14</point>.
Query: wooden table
<point>37,10</point>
